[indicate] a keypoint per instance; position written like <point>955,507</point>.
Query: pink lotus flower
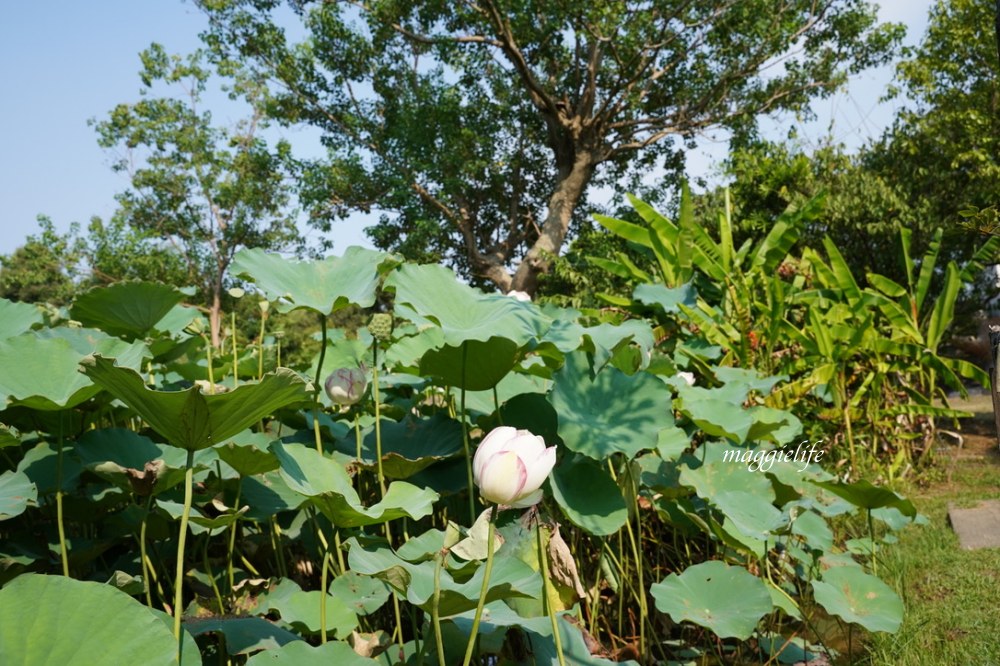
<point>511,465</point>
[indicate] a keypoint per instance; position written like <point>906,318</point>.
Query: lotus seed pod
<point>380,326</point>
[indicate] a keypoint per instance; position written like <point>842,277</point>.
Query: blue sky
<point>63,62</point>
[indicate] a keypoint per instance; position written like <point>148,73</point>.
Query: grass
<point>951,595</point>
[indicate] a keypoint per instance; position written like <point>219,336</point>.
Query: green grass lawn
<point>952,596</point>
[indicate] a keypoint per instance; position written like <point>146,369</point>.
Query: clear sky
<point>63,62</point>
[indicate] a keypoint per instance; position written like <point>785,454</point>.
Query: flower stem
<point>232,535</point>
<point>470,648</point>
<point>378,420</point>
<point>543,559</point>
<point>465,442</point>
<point>63,553</point>
<point>319,383</point>
<point>435,609</point>
<point>181,539</point>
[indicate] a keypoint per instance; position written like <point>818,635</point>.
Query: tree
<point>115,252</point>
<point>943,151</point>
<point>44,269</point>
<point>204,190</point>
<point>862,210</point>
<point>477,128</point>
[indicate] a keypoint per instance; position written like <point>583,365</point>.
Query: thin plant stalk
<point>236,377</point>
<point>318,384</point>
<point>546,600</point>
<point>465,441</point>
<point>436,609</point>
<point>276,545</point>
<point>211,372</point>
<point>181,540</point>
<point>146,565</point>
<point>378,419</point>
<point>232,535</point>
<point>63,553</point>
<point>471,647</point>
<point>260,341</point>
<point>211,574</point>
<point>322,598</point>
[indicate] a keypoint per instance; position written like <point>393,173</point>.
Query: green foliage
<point>942,149</point>
<point>279,527</point>
<point>43,269</point>
<point>807,318</point>
<point>477,130</point>
<point>205,190</point>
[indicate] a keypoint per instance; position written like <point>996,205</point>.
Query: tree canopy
<point>943,150</point>
<point>205,190</point>
<point>476,130</point>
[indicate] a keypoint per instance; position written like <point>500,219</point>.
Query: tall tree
<point>45,268</point>
<point>943,151</point>
<point>477,128</point>
<point>205,190</point>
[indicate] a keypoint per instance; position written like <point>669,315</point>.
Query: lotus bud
<point>346,386</point>
<point>511,465</point>
<point>519,295</point>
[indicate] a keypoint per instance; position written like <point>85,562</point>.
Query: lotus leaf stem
<point>471,647</point>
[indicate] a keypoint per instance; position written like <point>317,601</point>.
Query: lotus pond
<point>163,501</point>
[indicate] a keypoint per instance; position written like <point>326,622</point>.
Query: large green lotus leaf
<point>362,594</point>
<point>17,318</point>
<point>190,419</point>
<point>773,425</point>
<point>54,620</point>
<point>728,600</point>
<point>112,452</point>
<point>532,412</point>
<point>268,495</point>
<point>178,318</point>
<point>16,493</point>
<point>510,578</point>
<point>860,598</point>
<point>129,309</point>
<point>719,418</point>
<point>606,339</point>
<point>751,514</point>
<point>92,341</point>
<point>300,610</point>
<point>248,454</point>
<point>747,380</point>
<point>474,365</point>
<point>588,495</point>
<point>410,445</point>
<point>325,285</point>
<point>243,634</point>
<point>301,653</point>
<point>432,295</point>
<point>40,370</point>
<point>328,487</point>
<point>513,384</point>
<point>866,496</point>
<point>712,478</point>
<point>40,465</point>
<point>611,412</point>
<point>814,529</point>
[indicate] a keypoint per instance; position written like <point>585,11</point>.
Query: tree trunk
<point>569,189</point>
